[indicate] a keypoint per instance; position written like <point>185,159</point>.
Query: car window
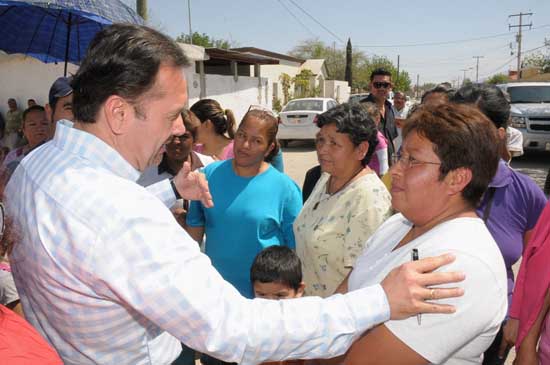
<point>331,104</point>
<point>529,94</point>
<point>315,105</point>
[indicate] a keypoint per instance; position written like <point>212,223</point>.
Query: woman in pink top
<point>217,130</point>
<point>379,161</point>
<point>531,301</point>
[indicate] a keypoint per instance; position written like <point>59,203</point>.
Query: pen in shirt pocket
<point>414,257</point>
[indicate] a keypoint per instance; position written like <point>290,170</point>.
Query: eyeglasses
<point>379,85</point>
<point>408,161</point>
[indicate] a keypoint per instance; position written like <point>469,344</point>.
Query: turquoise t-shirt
<point>249,214</point>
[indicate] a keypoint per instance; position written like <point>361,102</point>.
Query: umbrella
<point>58,30</point>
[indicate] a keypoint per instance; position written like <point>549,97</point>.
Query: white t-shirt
<point>459,338</point>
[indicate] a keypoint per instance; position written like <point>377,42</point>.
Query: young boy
<point>276,273</point>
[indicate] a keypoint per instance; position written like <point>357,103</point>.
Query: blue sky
<point>267,24</point>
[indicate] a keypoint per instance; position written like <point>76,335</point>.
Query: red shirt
<point>20,343</point>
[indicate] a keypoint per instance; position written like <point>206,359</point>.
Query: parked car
<point>355,98</point>
<point>530,112</point>
<point>298,118</point>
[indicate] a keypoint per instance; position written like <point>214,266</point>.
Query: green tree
<point>497,79</point>
<point>204,40</point>
<point>286,82</point>
<point>303,85</point>
<point>362,66</point>
<point>539,60</point>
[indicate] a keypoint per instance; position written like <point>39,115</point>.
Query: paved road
<point>300,156</point>
<point>535,165</point>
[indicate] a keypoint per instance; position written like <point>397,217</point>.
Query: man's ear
<point>501,132</point>
<point>118,114</point>
<point>300,290</point>
<point>49,111</point>
<point>458,179</point>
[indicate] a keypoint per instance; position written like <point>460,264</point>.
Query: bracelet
<point>176,193</point>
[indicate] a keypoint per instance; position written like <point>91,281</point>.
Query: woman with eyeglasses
<point>449,155</point>
<point>347,204</point>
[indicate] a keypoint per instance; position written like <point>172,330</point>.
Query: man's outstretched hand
<point>408,287</point>
<point>192,185</point>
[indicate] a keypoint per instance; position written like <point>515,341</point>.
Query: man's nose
<point>178,128</point>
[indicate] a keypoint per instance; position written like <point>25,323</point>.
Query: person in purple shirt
<point>510,207</point>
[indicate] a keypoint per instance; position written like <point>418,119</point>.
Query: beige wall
<point>27,78</point>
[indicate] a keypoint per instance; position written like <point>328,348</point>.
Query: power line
<point>296,18</point>
<point>316,21</point>
<point>445,42</point>
<point>510,60</point>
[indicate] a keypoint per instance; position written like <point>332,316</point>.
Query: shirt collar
<point>503,176</point>
<point>93,149</point>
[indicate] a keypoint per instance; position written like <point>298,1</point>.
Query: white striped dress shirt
<point>108,276</point>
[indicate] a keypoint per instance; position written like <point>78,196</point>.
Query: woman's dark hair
<point>271,131</point>
<point>124,60</point>
<point>490,100</point>
<point>223,120</point>
<point>34,108</point>
<point>277,264</point>
<point>355,121</point>
<point>462,137</point>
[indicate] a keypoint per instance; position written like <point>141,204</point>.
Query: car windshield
<point>529,94</point>
<point>294,105</point>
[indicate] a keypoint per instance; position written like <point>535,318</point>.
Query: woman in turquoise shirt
<point>254,204</point>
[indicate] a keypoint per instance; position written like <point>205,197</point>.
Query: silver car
<point>530,112</point>
<point>298,118</point>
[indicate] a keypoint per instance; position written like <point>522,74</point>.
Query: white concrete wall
<point>338,90</point>
<point>274,72</point>
<point>27,78</point>
<point>237,96</point>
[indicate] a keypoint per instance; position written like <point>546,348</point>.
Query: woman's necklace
<point>339,189</point>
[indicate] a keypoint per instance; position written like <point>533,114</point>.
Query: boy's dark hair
<point>277,264</point>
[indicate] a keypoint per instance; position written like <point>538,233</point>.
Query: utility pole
<point>417,85</point>
<point>477,66</point>
<point>397,79</point>
<point>141,7</point>
<point>464,77</point>
<point>189,15</point>
<point>518,37</point>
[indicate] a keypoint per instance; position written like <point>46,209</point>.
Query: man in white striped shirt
<point>105,272</point>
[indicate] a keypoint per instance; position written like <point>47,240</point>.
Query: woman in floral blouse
<point>347,204</point>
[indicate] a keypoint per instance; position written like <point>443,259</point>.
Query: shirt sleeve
<point>8,291</point>
<point>163,191</point>
<point>475,322</point>
<point>152,266</point>
<point>535,205</point>
<point>382,155</point>
<point>291,209</point>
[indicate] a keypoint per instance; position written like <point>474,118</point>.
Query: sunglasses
<point>379,85</point>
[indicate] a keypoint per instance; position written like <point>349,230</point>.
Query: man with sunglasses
<point>380,87</point>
